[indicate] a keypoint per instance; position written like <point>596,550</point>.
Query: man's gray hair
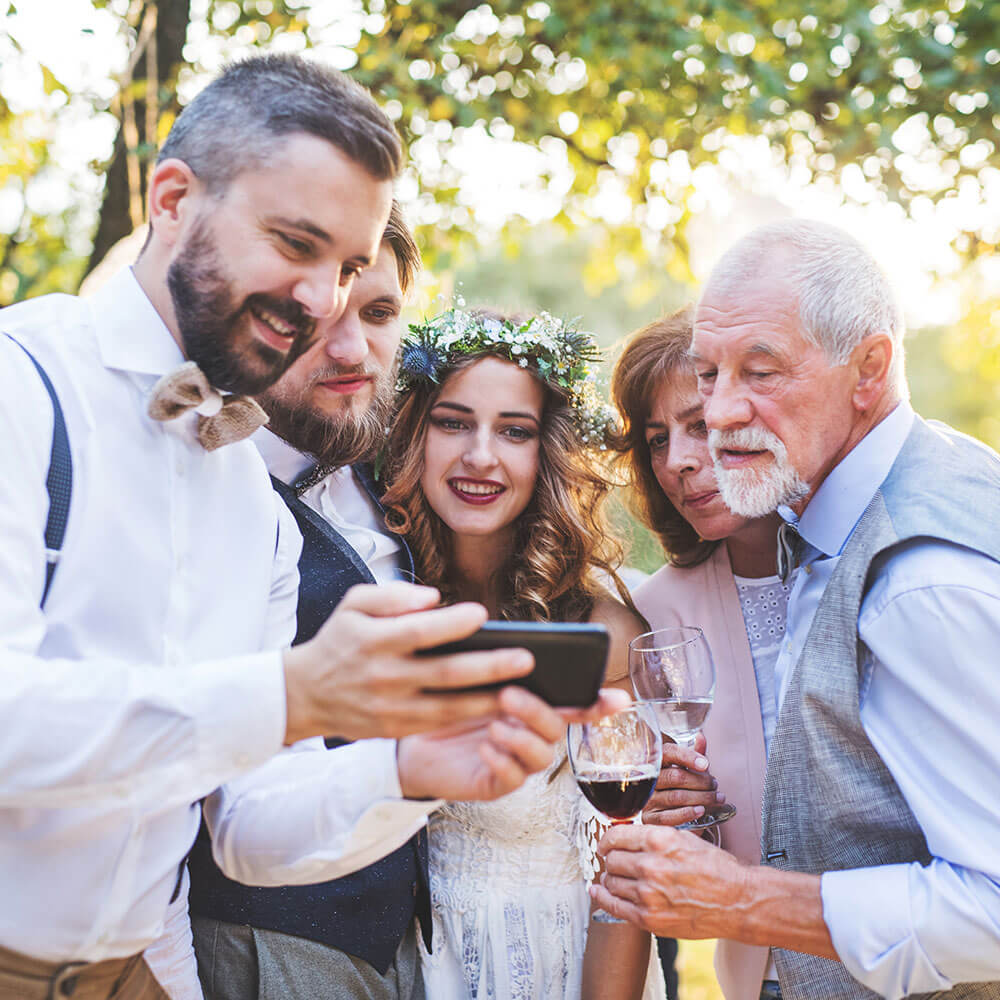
<point>843,296</point>
<point>237,121</point>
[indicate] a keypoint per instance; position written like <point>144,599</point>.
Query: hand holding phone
<point>570,657</point>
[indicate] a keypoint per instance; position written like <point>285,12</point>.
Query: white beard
<point>753,492</point>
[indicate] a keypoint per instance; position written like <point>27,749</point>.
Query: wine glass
<point>616,762</point>
<point>672,671</point>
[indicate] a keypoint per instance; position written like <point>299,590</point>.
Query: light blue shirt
<point>930,704</point>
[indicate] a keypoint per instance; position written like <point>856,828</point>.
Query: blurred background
<point>589,157</point>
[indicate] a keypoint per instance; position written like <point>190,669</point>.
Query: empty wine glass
<point>616,762</point>
<point>672,671</point>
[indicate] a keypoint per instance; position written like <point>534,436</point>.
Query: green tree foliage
<point>626,100</point>
<point>954,373</point>
<point>900,93</point>
<point>36,250</point>
<point>633,95</point>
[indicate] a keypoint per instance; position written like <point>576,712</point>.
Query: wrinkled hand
<point>674,884</point>
<point>669,882</point>
<point>486,759</point>
<point>684,789</point>
<point>360,677</point>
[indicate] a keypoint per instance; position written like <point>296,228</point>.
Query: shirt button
<point>242,760</point>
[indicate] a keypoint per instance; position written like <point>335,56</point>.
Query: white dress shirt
<point>304,818</point>
<point>142,685</point>
<point>929,704</point>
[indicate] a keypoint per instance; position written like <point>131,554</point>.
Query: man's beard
<point>210,322</point>
<point>333,439</point>
<point>752,492</point>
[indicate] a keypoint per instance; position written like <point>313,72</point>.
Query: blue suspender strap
<point>59,481</point>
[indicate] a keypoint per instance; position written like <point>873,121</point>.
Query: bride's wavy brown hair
<point>562,535</point>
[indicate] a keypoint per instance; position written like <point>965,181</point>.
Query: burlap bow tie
<point>221,419</point>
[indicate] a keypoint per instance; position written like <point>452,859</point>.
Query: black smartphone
<point>569,658</point>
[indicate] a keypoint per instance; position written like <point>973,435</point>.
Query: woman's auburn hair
<point>562,535</point>
<point>652,356</point>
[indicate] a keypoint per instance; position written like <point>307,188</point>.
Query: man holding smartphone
<point>154,667</point>
<point>353,936</point>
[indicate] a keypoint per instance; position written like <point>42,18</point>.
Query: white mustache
<point>749,438</point>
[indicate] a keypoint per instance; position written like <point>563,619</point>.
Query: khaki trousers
<point>25,978</point>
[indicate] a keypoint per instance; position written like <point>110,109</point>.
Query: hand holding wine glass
<point>616,762</point>
<point>672,672</point>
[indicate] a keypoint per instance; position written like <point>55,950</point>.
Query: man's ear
<point>872,359</point>
<point>174,191</point>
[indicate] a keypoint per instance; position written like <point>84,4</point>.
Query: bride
<point>494,464</point>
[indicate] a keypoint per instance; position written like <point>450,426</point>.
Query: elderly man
<point>880,854</point>
<point>148,571</point>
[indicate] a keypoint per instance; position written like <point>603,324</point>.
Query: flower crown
<point>559,354</point>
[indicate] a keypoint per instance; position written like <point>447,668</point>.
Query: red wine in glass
<point>619,796</point>
<point>616,762</point>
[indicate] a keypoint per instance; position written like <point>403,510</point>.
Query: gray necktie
<point>790,547</point>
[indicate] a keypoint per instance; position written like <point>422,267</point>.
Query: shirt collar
<point>282,460</point>
<point>831,515</point>
<point>131,334</point>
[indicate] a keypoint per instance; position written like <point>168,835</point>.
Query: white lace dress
<point>509,900</point>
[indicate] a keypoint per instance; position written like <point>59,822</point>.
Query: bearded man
<point>354,936</point>
<point>153,666</point>
<point>880,850</point>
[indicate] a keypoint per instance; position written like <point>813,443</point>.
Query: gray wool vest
<point>830,803</point>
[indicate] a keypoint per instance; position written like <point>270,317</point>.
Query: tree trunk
<point>165,45</point>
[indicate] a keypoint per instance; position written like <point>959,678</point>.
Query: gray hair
<point>843,296</point>
<point>235,123</point>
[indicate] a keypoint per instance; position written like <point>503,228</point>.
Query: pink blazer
<point>706,596</point>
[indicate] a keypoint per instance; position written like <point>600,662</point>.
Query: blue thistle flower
<point>421,361</point>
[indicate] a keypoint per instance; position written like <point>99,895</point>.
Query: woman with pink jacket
<point>721,576</point>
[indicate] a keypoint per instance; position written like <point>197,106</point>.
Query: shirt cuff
<point>389,820</point>
<point>381,758</point>
<point>868,912</point>
<point>242,722</point>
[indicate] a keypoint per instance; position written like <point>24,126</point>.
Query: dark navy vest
<point>365,914</point>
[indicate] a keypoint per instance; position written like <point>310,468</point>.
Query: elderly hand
<point>669,882</point>
<point>684,789</point>
<point>675,884</point>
